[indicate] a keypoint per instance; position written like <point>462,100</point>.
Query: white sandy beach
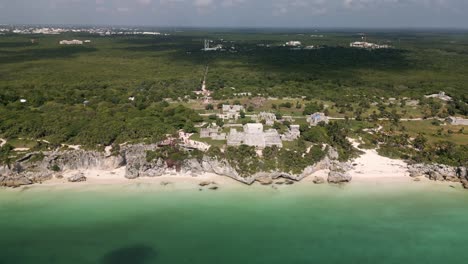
<point>370,169</point>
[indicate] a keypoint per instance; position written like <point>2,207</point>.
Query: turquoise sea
<point>416,223</point>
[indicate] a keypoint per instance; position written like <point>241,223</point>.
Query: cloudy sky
<point>240,13</point>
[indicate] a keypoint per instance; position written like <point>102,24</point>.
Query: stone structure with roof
<point>457,121</point>
<point>231,111</point>
<point>441,95</point>
<point>269,118</point>
<point>253,135</point>
<point>315,118</point>
<point>213,133</point>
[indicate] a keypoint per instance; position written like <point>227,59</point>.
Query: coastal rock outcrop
<point>318,180</point>
<point>265,180</point>
<point>465,184</point>
<point>77,178</point>
<point>339,172</point>
<point>14,181</point>
<point>37,167</point>
<point>338,177</point>
<point>439,172</point>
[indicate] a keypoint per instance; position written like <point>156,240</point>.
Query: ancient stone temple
<point>253,135</point>
<point>269,118</point>
<point>231,111</point>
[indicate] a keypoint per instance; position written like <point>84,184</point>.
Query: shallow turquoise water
<point>295,224</point>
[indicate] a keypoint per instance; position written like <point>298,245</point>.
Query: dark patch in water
<point>136,254</point>
<point>23,190</point>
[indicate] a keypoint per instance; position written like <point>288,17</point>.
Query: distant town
<point>56,30</point>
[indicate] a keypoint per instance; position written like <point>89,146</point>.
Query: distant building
<point>208,48</point>
<point>315,118</point>
<point>441,95</point>
<point>23,101</point>
<point>151,33</point>
<point>242,94</point>
<point>87,41</point>
<point>367,45</point>
<point>269,118</point>
<point>254,135</point>
<point>457,121</point>
<point>293,43</point>
<point>213,133</point>
<point>231,111</point>
<point>71,42</point>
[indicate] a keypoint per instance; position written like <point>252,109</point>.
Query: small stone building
<point>213,133</point>
<point>269,118</point>
<point>441,95</point>
<point>457,121</point>
<point>316,118</point>
<point>231,111</point>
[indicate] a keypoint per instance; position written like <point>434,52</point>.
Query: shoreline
<point>98,180</point>
<point>370,169</point>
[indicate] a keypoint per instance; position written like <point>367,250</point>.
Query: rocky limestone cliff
<point>31,169</point>
<point>138,166</point>
<point>439,172</point>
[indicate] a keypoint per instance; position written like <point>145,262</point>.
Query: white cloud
<point>360,4</point>
<point>313,7</point>
<point>122,9</point>
<point>203,3</point>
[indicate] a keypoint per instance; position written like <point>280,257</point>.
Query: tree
<point>286,105</point>
<point>189,127</point>
<point>242,114</point>
<point>311,108</point>
<point>219,122</point>
<point>5,152</point>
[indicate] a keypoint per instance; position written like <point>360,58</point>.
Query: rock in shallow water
<point>265,180</point>
<point>465,184</point>
<point>77,178</point>
<point>338,177</point>
<point>204,183</point>
<point>15,181</point>
<point>289,182</point>
<point>318,180</point>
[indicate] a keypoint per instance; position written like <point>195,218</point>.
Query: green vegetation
<point>82,95</point>
<point>103,124</point>
<point>291,159</point>
<point>55,168</point>
<point>5,152</point>
<point>421,141</point>
<point>173,156</point>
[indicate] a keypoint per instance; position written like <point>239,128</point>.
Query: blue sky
<point>240,13</point>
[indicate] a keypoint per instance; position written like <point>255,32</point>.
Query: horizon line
<point>244,27</point>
